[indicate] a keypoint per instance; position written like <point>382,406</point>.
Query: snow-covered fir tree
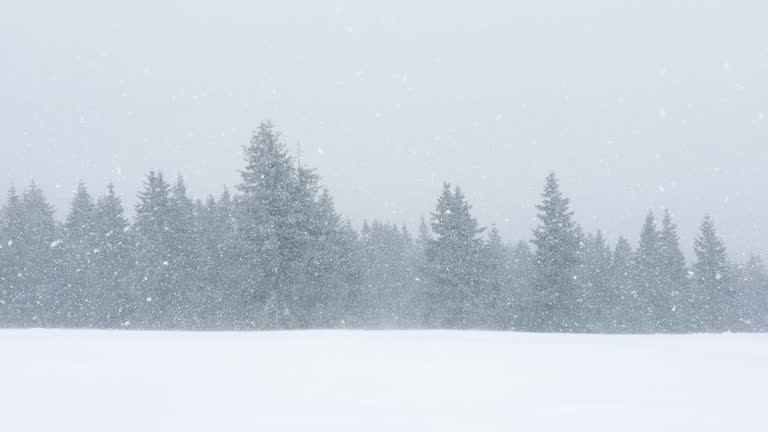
<point>77,295</point>
<point>453,263</point>
<point>594,278</point>
<point>114,264</point>
<point>622,302</point>
<point>153,253</point>
<point>557,240</point>
<point>712,274</point>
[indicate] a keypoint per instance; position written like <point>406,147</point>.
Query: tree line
<point>276,254</point>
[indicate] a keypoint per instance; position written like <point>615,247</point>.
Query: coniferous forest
<point>275,254</point>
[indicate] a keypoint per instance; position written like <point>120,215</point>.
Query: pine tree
<point>751,296</point>
<point>647,277</point>
<point>388,289</point>
<point>266,213</point>
<point>113,301</point>
<point>675,298</point>
<point>31,269</point>
<point>293,240</point>
<point>11,260</point>
<point>185,296</point>
<point>424,235</point>
<point>623,298</point>
<point>520,292</point>
<point>222,298</point>
<point>495,312</point>
<point>453,262</point>
<point>557,243</point>
<point>79,246</point>
<point>711,272</point>
<point>595,279</point>
<point>153,248</point>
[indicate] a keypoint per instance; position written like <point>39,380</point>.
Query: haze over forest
<point>637,107</point>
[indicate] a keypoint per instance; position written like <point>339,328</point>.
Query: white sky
<point>637,105</point>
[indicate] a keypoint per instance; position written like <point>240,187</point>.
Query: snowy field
<point>59,380</point>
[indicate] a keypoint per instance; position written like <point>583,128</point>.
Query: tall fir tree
<point>79,247</point>
<point>647,278</point>
<point>30,275</point>
<point>152,249</point>
<point>11,260</point>
<point>520,294</point>
<point>751,296</point>
<point>595,282</point>
<point>293,240</point>
<point>453,263</point>
<point>712,274</point>
<point>332,269</point>
<point>388,289</point>
<point>495,311</point>
<point>557,240</point>
<point>183,263</point>
<point>623,300</point>
<point>266,213</point>
<point>675,298</point>
<point>114,265</point>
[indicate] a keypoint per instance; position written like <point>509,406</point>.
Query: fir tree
<point>12,260</point>
<point>711,272</point>
<point>520,292</point>
<point>595,282</point>
<point>113,262</point>
<point>388,289</point>
<point>79,247</point>
<point>294,241</point>
<point>453,262</point>
<point>623,299</point>
<point>751,296</point>
<point>647,276</point>
<point>152,252</point>
<point>185,300</point>
<point>31,275</point>
<point>494,310</point>
<point>557,243</point>
<point>265,216</point>
<point>675,299</point>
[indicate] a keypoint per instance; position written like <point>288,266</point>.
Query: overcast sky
<point>636,105</point>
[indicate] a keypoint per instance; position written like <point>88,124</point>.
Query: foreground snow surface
<point>66,380</point>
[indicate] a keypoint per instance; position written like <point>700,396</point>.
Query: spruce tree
<point>332,270</point>
<point>113,301</point>
<point>751,296</point>
<point>265,218</point>
<point>31,267</point>
<point>557,242</point>
<point>495,310</point>
<point>40,238</point>
<point>647,277</point>
<point>453,263</point>
<point>623,300</point>
<point>520,292</point>
<point>293,241</point>
<point>675,299</point>
<point>11,260</point>
<point>79,248</point>
<point>711,272</point>
<point>185,301</point>
<point>152,249</point>
<point>221,299</point>
<point>595,282</point>
<point>387,263</point>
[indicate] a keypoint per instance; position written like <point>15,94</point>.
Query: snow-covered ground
<point>59,380</point>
